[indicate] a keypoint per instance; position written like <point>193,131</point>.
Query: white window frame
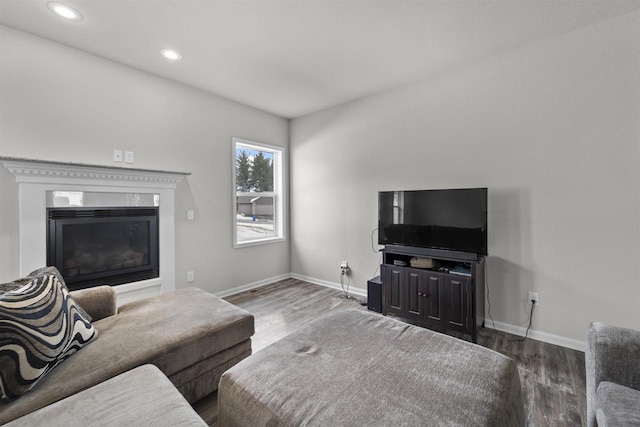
<point>278,194</point>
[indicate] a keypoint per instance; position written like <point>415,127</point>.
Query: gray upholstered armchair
<point>612,361</point>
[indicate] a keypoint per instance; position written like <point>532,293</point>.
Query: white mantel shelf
<point>35,178</point>
<point>53,172</point>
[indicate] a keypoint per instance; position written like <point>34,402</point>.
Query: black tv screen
<point>443,219</point>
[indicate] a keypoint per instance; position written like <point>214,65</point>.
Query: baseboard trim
<point>537,335</point>
<point>250,286</point>
<point>500,326</point>
<point>332,285</point>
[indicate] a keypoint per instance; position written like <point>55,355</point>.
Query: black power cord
<point>375,252</point>
<point>343,272</point>
<point>345,289</point>
<point>526,335</point>
<point>493,324</point>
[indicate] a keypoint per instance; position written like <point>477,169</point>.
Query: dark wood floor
<point>553,377</point>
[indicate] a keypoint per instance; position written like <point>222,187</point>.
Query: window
<point>258,186</point>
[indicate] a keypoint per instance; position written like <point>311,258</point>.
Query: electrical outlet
<point>344,267</point>
<point>190,276</point>
<point>533,296</point>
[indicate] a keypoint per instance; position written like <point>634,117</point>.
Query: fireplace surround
<point>103,187</point>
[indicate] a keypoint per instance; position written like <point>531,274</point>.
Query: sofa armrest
<point>99,302</point>
<point>612,354</point>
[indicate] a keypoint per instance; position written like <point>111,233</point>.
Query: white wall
<point>59,103</point>
<point>552,129</point>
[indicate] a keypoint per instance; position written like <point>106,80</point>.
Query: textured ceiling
<point>292,58</point>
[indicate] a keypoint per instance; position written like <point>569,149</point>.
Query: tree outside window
<point>258,202</point>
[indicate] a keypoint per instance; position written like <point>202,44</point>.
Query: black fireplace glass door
<point>92,251</point>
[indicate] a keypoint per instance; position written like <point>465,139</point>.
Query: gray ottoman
<point>143,396</point>
<point>358,368</point>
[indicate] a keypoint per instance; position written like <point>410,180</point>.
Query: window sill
<point>239,245</point>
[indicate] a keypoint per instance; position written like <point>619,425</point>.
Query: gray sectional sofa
<point>612,361</point>
<point>190,335</point>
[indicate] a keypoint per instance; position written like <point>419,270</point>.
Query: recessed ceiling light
<point>65,11</point>
<point>171,54</point>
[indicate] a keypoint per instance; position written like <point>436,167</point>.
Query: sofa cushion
<point>186,326</point>
<point>202,378</point>
<point>617,405</point>
<point>40,326</point>
<point>140,397</point>
<point>98,301</point>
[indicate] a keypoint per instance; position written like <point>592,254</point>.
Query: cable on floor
<point>493,324</point>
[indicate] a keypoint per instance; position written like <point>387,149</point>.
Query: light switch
<point>128,156</point>
<point>190,276</point>
<point>117,155</point>
<point>190,215</point>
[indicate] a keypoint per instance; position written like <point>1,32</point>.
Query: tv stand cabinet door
<point>424,297</point>
<point>414,293</point>
<point>393,290</point>
<point>433,297</point>
<point>456,289</point>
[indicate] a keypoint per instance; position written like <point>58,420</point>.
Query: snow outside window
<point>258,182</point>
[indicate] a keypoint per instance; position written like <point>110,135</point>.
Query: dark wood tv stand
<point>435,298</point>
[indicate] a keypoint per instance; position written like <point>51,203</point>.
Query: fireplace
<point>103,246</point>
<point>101,187</point>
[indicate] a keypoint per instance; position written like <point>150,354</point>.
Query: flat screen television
<point>454,219</point>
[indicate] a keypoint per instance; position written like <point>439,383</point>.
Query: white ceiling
<point>295,57</point>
